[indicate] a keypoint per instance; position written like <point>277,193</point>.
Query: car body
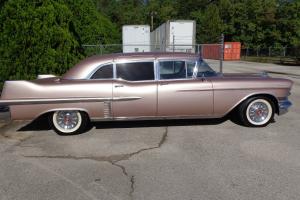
<point>136,86</point>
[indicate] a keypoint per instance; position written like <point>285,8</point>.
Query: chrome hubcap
<point>258,112</point>
<point>67,119</point>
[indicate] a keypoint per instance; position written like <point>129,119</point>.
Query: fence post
<point>221,52</point>
<point>247,52</point>
<point>257,49</point>
<point>284,51</point>
<point>269,51</point>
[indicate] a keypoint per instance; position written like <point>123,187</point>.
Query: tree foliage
<point>45,36</point>
<point>35,38</point>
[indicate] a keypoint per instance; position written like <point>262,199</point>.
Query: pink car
<point>145,86</point>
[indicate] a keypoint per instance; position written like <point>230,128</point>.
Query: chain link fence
<point>285,55</point>
<point>118,48</point>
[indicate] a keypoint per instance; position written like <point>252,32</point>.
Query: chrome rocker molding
<point>283,106</point>
<point>64,100</point>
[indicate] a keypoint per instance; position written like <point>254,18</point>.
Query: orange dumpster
<point>232,51</point>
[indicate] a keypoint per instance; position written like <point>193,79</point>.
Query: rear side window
<point>104,72</point>
<point>138,71</point>
<point>172,69</point>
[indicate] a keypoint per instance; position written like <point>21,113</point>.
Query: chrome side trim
<point>63,100</point>
<point>107,111</point>
<point>283,106</point>
<point>125,98</point>
<point>153,118</point>
<point>195,90</point>
<point>262,88</point>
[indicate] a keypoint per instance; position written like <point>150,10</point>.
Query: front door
<point>135,90</point>
<point>181,95</point>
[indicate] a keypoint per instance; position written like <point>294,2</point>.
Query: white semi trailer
<point>136,38</point>
<point>174,36</point>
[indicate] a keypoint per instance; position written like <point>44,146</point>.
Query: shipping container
<point>136,38</point>
<point>174,36</point>
<point>211,51</point>
<point>232,51</point>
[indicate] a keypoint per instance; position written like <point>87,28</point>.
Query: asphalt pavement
<point>164,160</point>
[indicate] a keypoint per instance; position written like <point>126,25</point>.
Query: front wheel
<point>256,112</point>
<point>68,122</point>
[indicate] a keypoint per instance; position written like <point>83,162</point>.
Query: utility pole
<point>221,52</point>
<point>152,19</point>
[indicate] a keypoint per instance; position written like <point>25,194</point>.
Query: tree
<point>163,11</point>
<point>123,12</point>
<point>288,23</point>
<point>209,24</point>
<point>35,39</point>
<point>90,26</point>
<point>45,36</point>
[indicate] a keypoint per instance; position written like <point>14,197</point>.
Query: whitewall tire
<point>68,122</point>
<point>257,111</point>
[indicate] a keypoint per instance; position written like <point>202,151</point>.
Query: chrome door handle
<point>116,86</point>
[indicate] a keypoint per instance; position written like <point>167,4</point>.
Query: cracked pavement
<point>175,159</point>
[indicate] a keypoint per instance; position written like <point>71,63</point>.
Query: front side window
<point>204,69</point>
<point>172,69</point>
<point>137,71</point>
<point>104,72</point>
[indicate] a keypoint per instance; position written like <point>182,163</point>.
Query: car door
<point>179,94</point>
<point>135,90</point>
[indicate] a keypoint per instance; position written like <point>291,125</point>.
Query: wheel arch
<point>266,95</point>
<point>48,112</point>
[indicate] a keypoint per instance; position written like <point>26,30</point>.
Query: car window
<point>104,72</point>
<point>137,71</point>
<point>204,69</point>
<point>172,69</point>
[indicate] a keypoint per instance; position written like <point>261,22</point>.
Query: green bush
<point>45,36</point>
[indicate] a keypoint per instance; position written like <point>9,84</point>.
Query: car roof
<point>80,70</point>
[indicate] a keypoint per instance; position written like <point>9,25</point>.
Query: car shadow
<point>156,123</point>
<point>41,123</point>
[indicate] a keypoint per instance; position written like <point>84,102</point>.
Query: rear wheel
<point>256,112</point>
<point>68,122</point>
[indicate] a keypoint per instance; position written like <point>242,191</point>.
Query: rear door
<point>179,94</point>
<point>135,90</point>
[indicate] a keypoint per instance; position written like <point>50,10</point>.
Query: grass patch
<point>276,60</point>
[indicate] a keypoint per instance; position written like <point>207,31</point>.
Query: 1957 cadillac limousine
<point>145,86</point>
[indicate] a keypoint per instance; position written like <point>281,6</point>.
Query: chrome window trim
<point>115,71</point>
<point>156,70</point>
<point>89,77</point>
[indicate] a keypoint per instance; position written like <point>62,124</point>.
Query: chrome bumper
<point>283,106</point>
